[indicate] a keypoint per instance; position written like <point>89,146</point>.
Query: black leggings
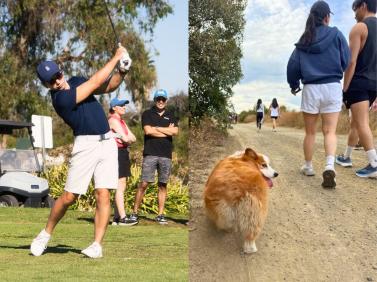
<point>259,120</point>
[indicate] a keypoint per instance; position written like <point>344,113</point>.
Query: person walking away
<point>125,137</point>
<point>260,113</point>
<point>94,151</point>
<point>360,82</point>
<point>319,60</point>
<point>274,113</point>
<point>159,127</point>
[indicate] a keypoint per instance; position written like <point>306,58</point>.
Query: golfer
<point>94,150</point>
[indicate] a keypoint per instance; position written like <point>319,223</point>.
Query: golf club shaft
<point>111,22</point>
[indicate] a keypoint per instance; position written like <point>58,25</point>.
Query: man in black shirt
<point>360,81</point>
<point>159,128</point>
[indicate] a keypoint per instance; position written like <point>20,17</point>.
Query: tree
<point>75,31</point>
<point>215,30</point>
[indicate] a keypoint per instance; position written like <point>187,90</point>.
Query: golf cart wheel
<point>8,201</point>
<point>48,201</point>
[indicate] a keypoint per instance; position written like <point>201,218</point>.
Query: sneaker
<point>367,171</point>
<point>115,221</point>
<point>128,221</point>
<point>329,180</point>
<point>39,244</point>
<point>93,251</point>
<point>343,161</point>
<point>308,171</point>
<point>161,219</point>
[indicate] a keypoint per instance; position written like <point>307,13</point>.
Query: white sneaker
<point>308,171</point>
<point>93,251</point>
<point>39,244</point>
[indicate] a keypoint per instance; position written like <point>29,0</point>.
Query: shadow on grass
<point>143,217</point>
<point>58,249</point>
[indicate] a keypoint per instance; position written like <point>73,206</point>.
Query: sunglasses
<point>158,99</point>
<point>56,76</point>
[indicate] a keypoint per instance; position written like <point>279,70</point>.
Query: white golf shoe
<point>93,251</point>
<point>39,244</point>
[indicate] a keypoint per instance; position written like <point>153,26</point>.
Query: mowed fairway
<point>146,252</point>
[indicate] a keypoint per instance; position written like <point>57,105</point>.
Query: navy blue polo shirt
<point>158,146</point>
<point>86,117</point>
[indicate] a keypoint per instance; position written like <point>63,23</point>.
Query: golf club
<point>111,22</point>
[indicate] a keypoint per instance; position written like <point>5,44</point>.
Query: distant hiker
<point>360,83</point>
<point>259,109</point>
<point>274,113</point>
<point>319,60</point>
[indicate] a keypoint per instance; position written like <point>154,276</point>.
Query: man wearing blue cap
<point>94,151</point>
<point>159,127</point>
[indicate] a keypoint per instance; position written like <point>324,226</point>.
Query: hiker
<point>274,113</point>
<point>360,83</point>
<point>159,127</point>
<point>125,138</point>
<point>319,60</point>
<point>259,109</point>
<point>94,151</point>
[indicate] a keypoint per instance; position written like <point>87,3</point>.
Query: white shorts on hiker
<point>322,98</point>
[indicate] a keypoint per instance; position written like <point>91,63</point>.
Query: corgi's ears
<point>250,153</point>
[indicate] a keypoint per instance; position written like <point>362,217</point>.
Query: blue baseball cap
<point>321,9</point>
<point>46,70</point>
<point>116,102</point>
<point>160,93</point>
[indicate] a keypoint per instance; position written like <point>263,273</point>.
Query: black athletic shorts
<point>354,95</point>
<point>124,163</point>
<point>274,117</point>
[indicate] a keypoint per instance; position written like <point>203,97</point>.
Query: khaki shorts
<point>92,157</point>
<point>322,98</point>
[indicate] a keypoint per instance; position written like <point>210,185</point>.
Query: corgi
<point>236,195</point>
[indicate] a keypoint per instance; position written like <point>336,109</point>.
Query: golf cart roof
<point>6,126</point>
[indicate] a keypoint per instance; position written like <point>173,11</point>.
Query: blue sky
<point>272,27</point>
<point>170,41</point>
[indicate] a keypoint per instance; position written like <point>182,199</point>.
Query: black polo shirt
<point>158,146</point>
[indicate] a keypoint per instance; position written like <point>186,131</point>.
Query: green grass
<point>146,252</point>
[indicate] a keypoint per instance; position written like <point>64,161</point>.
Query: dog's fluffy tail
<point>222,214</point>
<point>250,216</point>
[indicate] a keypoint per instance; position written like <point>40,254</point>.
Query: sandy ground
<point>311,234</point>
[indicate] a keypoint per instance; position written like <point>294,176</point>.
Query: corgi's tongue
<point>269,181</point>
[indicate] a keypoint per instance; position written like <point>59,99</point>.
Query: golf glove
<point>125,63</point>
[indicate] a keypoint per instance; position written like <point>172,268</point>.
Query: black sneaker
<point>161,219</point>
<point>133,219</point>
<point>115,221</point>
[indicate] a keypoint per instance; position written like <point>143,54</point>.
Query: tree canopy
<point>215,30</point>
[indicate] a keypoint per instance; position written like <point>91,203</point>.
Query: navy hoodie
<point>324,61</point>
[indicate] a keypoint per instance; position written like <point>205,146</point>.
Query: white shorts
<point>322,98</point>
<point>90,156</point>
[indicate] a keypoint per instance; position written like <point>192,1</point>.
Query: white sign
<point>42,131</point>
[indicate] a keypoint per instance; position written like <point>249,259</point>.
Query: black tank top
<point>366,66</point>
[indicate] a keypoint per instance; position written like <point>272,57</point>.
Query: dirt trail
<point>311,234</point>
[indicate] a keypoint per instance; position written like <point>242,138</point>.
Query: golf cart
<point>18,184</point>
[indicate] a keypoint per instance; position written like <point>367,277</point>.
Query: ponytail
<point>309,34</point>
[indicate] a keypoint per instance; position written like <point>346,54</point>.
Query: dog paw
<point>249,248</point>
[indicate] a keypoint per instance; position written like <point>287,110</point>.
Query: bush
<point>176,202</point>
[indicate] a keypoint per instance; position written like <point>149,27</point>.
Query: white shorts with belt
<point>322,98</point>
<point>93,155</point>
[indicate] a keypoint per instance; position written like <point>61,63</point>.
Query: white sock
<point>372,157</point>
<point>44,233</point>
<point>330,162</point>
<point>308,164</point>
<point>348,151</point>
